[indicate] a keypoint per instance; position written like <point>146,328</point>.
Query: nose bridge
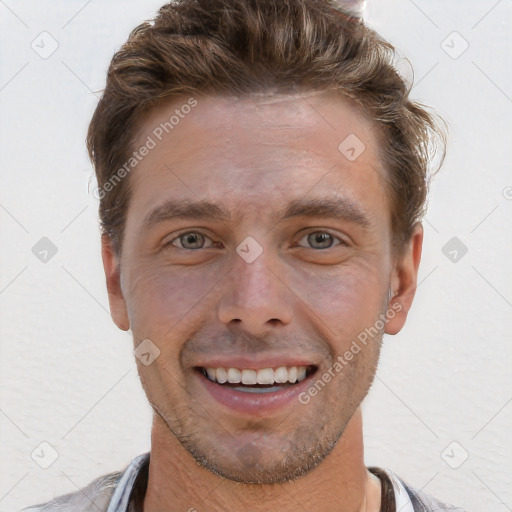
<point>254,278</point>
<point>254,296</point>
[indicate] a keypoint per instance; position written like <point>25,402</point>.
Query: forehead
<point>262,148</point>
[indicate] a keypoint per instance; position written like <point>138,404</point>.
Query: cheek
<point>160,300</point>
<point>344,301</point>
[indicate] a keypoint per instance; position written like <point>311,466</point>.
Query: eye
<point>190,240</point>
<point>322,239</point>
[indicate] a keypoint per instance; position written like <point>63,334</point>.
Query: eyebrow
<point>317,207</point>
<point>339,208</point>
<point>185,209</point>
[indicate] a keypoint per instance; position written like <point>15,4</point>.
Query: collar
<point>126,485</point>
<point>121,498</point>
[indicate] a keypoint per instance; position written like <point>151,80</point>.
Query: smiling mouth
<point>264,380</point>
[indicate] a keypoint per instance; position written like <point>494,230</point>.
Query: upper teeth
<point>278,375</point>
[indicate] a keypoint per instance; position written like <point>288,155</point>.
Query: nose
<point>255,297</point>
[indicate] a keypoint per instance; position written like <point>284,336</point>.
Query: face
<point>255,253</point>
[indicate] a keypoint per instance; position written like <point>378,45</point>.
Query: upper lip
<point>256,363</point>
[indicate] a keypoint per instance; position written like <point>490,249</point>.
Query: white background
<point>67,374</point>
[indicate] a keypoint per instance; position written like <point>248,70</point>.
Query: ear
<point>113,279</point>
<point>404,281</point>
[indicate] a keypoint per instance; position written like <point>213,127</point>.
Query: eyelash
<point>179,235</point>
<point>323,231</point>
<point>334,237</point>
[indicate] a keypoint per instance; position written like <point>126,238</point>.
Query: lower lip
<point>256,404</point>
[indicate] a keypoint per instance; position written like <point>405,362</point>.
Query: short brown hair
<point>237,47</point>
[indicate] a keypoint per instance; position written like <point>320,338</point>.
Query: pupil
<point>192,238</point>
<point>321,238</point>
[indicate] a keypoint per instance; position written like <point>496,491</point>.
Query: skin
<point>197,298</point>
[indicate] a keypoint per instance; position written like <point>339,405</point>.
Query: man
<point>262,176</point>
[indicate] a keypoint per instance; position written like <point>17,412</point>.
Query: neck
<point>340,483</point>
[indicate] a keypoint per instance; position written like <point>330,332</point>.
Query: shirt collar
<point>121,497</point>
<point>120,500</point>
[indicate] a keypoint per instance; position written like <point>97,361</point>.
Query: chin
<point>264,458</point>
